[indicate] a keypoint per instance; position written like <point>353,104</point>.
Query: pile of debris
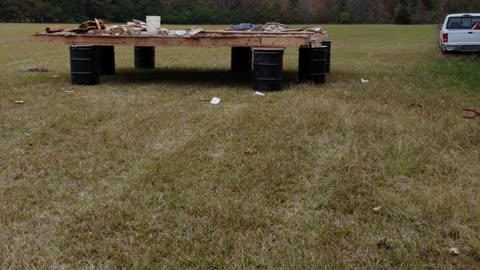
<point>132,28</point>
<point>140,28</point>
<point>96,24</point>
<point>270,27</point>
<point>135,27</point>
<point>90,26</point>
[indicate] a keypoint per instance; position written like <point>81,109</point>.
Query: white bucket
<point>153,24</point>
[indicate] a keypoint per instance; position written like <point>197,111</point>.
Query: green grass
<point>138,172</point>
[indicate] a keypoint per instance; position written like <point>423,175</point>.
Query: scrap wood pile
<point>139,28</point>
<point>271,27</point>
<point>132,28</point>
<point>85,27</point>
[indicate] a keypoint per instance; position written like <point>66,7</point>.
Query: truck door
<point>460,31</point>
<point>476,31</point>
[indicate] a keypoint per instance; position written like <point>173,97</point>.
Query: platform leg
<point>267,69</point>
<point>312,65</point>
<point>241,59</point>
<point>84,67</point>
<point>145,57</point>
<point>106,59</point>
<point>328,43</point>
<point>303,59</point>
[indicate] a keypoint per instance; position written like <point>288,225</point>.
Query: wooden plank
<point>256,36</point>
<point>201,41</point>
<point>267,49</point>
<point>194,32</point>
<point>275,42</point>
<point>259,32</point>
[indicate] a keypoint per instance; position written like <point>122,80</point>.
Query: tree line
<point>236,11</point>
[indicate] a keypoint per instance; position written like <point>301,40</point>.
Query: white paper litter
<point>454,251</point>
<point>19,101</point>
<point>364,81</point>
<point>215,101</point>
<point>180,33</point>
<point>260,94</point>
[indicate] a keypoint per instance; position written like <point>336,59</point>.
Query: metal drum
<point>145,57</point>
<point>83,62</point>
<point>241,59</point>
<point>328,43</point>
<point>105,59</point>
<point>268,65</point>
<point>312,64</point>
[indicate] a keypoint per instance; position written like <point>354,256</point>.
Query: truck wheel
<point>444,51</point>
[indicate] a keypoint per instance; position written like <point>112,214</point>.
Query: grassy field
<point>139,172</point>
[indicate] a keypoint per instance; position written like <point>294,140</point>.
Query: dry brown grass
<point>139,173</point>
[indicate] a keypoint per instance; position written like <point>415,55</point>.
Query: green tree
<point>403,14</point>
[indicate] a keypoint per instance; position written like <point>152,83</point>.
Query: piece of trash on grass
<point>19,102</point>
<point>364,81</point>
<point>55,76</point>
<point>69,92</point>
<point>454,251</point>
<point>377,209</point>
<point>38,69</point>
<point>250,152</point>
<point>474,114</point>
<point>384,244</point>
<point>259,94</point>
<point>215,101</point>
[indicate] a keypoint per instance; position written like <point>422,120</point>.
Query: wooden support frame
<point>105,59</point>
<point>267,49</point>
<point>203,39</point>
<point>267,69</point>
<point>144,57</point>
<point>241,59</point>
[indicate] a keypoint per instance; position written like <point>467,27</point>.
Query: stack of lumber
<point>90,25</point>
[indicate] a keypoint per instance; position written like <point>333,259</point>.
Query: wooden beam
<point>196,41</point>
<point>194,32</point>
<point>260,33</point>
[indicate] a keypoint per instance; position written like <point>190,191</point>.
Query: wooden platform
<point>203,39</point>
<point>92,55</point>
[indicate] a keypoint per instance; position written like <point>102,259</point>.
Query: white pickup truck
<point>460,33</point>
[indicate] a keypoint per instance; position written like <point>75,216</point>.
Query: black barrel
<point>328,43</point>
<point>241,59</point>
<point>145,57</point>
<point>318,65</point>
<point>105,59</point>
<point>303,64</point>
<point>268,65</point>
<point>83,62</point>
<point>312,64</point>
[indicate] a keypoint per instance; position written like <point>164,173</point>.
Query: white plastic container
<point>153,24</point>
